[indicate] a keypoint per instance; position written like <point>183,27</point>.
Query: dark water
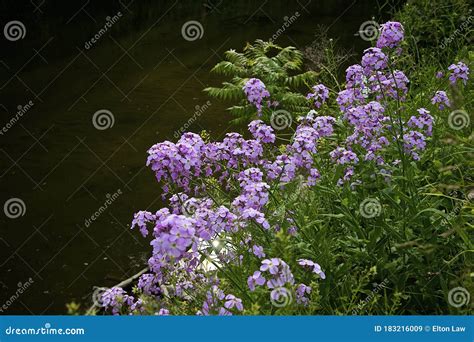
<point>151,80</point>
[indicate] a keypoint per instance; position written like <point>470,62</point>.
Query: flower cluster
<point>218,303</point>
<point>459,71</point>
<point>391,35</point>
<point>373,60</point>
<point>222,193</point>
<point>319,95</point>
<point>262,132</point>
<point>115,298</point>
<point>278,275</point>
<point>256,91</point>
<point>441,99</point>
<point>314,267</point>
<point>415,141</point>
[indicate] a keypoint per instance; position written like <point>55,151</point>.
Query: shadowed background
<point>150,79</point>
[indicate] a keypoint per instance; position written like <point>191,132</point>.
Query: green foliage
<point>403,254</point>
<point>279,68</point>
<point>437,30</point>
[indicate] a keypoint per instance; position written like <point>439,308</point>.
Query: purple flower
<point>270,265</point>
<point>413,142</point>
<point>424,121</point>
<point>394,85</point>
<point>214,303</point>
<point>292,231</point>
<point>258,216</point>
<point>355,76</point>
<point>255,279</point>
<point>315,268</point>
<point>391,35</point>
<point>141,219</point>
<point>163,312</point>
<point>232,301</point>
<point>148,283</point>
<point>442,99</point>
<point>256,91</point>
<point>373,60</point>
<point>301,292</point>
<point>349,98</point>
<point>319,95</point>
<point>343,156</point>
<point>261,132</point>
<point>115,298</point>
<point>459,71</point>
<point>279,271</point>
<point>258,251</point>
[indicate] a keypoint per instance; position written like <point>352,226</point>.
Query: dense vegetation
<point>344,201</point>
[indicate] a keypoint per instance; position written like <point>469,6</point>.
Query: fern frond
<point>229,69</point>
<point>236,58</point>
<point>228,92</point>
<point>308,77</point>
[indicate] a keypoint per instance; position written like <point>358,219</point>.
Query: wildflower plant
<point>270,225</point>
<point>264,77</point>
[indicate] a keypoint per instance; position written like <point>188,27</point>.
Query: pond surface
<point>149,80</point>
